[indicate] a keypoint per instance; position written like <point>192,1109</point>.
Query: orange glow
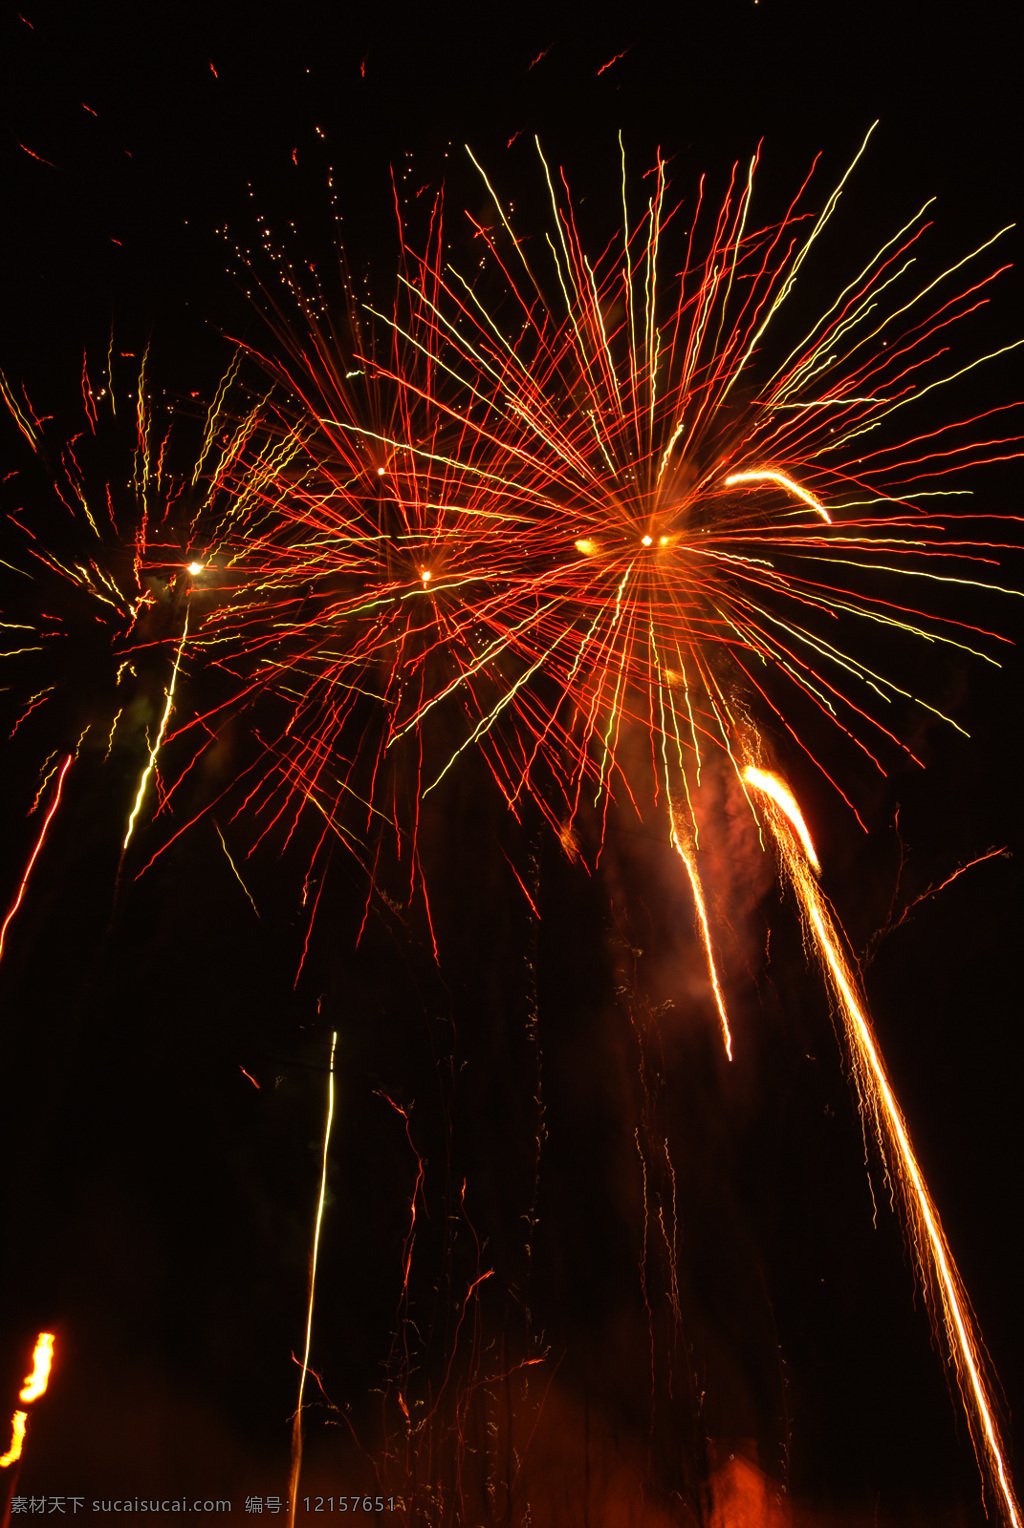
<point>943,1283</point>
<point>698,897</point>
<point>769,475</point>
<point>42,1357</point>
<point>588,548</point>
<point>783,797</point>
<point>13,1454</point>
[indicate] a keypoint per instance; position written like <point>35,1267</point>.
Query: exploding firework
<point>568,513</point>
<point>127,528</point>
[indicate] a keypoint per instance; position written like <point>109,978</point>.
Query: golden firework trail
<point>878,1101</point>
<point>689,860</point>
<point>296,1464</point>
<point>158,740</point>
<point>42,1359</point>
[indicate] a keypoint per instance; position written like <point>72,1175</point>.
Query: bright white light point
<point>588,548</point>
<point>381,471</point>
<point>425,577</point>
<point>196,567</point>
<point>646,540</point>
<point>663,541</point>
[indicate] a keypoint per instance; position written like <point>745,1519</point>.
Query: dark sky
<point>161,1204</point>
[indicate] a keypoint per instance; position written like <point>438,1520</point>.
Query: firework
<point>638,507</point>
<point>590,521</point>
<point>561,503</point>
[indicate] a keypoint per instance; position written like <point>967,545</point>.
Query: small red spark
<point>250,1077</point>
<point>362,68</point>
<point>513,138</point>
<point>537,60</point>
<point>611,61</point>
<point>89,110</point>
<point>213,71</point>
<point>116,241</point>
<point>26,21</point>
<point>295,155</point>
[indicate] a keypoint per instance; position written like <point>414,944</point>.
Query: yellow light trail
<point>42,1357</point>
<point>19,1422</point>
<point>698,897</point>
<point>891,1129</point>
<point>769,475</point>
<point>159,738</point>
<point>296,1465</point>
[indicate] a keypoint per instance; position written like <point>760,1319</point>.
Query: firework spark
<point>555,506</point>
<point>879,1105</point>
<point>296,1466</point>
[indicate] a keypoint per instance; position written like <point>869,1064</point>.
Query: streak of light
<point>783,797</point>
<point>234,867</point>
<point>19,1421</point>
<point>154,751</point>
<point>35,852</point>
<point>877,1096</point>
<point>42,1358</point>
<point>769,475</point>
<point>933,891</point>
<point>698,897</point>
<point>296,1465</point>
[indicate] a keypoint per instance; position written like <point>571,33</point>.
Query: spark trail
<point>54,804</point>
<point>296,1464</point>
<point>158,740</point>
<point>879,1104</point>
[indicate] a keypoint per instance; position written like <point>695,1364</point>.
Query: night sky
<point>164,1072</point>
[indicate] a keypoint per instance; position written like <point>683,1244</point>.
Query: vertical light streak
<point>19,1422</point>
<point>32,1387</point>
<point>964,1342</point>
<point>35,852</point>
<point>296,1466</point>
<point>147,772</point>
<point>698,898</point>
<point>42,1357</point>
